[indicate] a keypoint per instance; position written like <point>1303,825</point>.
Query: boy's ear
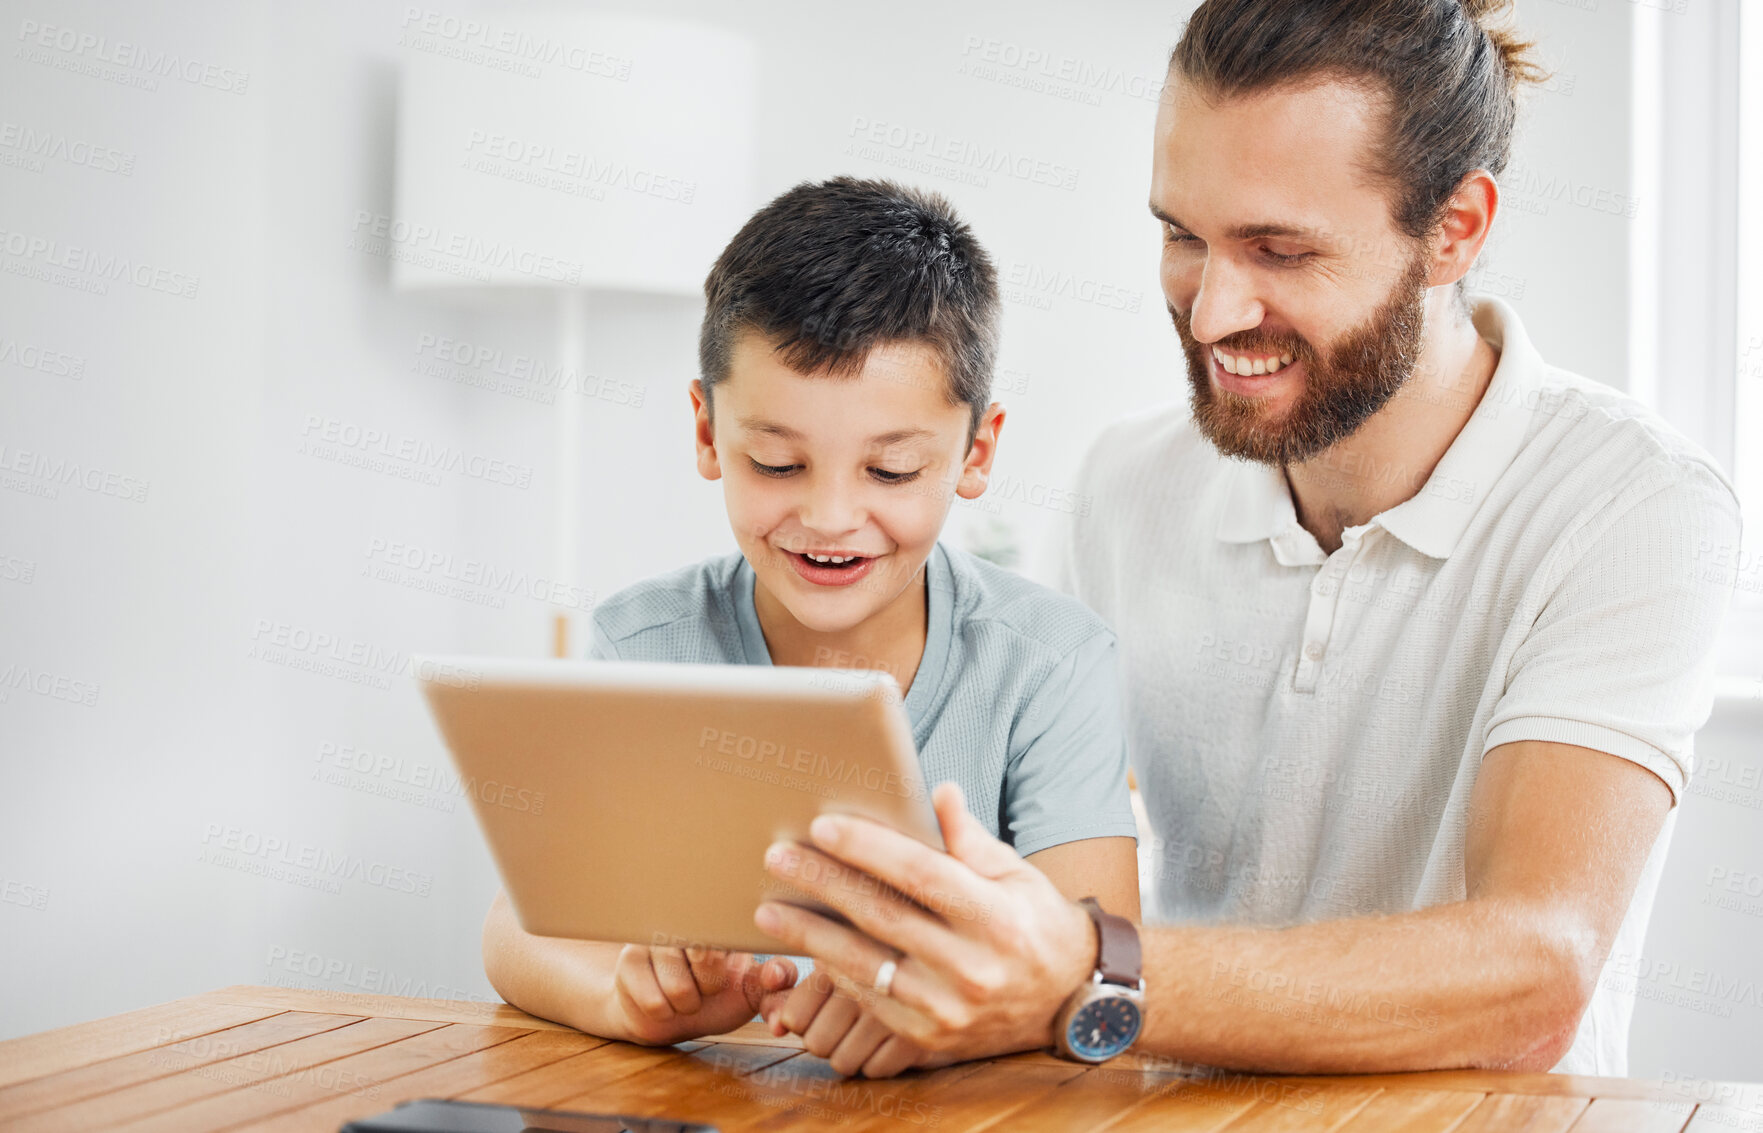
<point>703,435</point>
<point>976,470</point>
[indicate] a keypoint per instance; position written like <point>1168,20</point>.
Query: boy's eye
<point>1174,235</point>
<point>887,477</point>
<point>772,469</point>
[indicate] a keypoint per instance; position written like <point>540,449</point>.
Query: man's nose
<point>1225,302</point>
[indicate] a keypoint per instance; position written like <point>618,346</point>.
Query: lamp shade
<point>570,149</point>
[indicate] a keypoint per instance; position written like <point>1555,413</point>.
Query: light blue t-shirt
<point>1016,697</point>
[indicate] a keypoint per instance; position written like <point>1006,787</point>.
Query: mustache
<point>1243,342</point>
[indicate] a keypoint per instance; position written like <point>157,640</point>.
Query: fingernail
<point>765,916</point>
<point>825,829</point>
<point>780,855</point>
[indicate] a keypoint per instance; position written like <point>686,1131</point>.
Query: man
<point>1410,621</point>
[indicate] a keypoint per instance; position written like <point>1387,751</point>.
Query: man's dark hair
<point>828,271</point>
<point>1448,70</point>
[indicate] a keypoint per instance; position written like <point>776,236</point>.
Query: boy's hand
<point>668,995</point>
<point>839,1029</point>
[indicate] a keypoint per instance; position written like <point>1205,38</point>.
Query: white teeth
<point>1244,366</point>
<point>831,558</point>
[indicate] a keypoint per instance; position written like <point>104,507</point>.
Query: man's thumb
<point>966,839</point>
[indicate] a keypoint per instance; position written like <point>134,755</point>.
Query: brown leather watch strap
<point>1117,946</point>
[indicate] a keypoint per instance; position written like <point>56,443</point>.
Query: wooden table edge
<point>499,1014</point>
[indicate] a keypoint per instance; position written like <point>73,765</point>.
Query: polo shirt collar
<point>1258,501</point>
<point>1434,519</point>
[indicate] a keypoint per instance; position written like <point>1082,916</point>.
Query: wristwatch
<point>1104,1016</point>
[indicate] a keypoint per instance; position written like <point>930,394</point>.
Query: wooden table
<point>281,1059</point>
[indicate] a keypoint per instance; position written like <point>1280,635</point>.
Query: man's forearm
<point>1476,983</point>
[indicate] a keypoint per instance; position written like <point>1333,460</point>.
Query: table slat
<point>74,1085</point>
<point>362,1073</point>
<point>1413,1111</point>
<point>546,1086</point>
<point>247,1071</point>
<point>1198,1107</point>
<point>981,1100</point>
<point>802,1092</point>
<point>1523,1113</point>
<point>1099,1097</point>
<point>712,1085</point>
<point>50,1052</point>
<point>1328,1107</point>
<point>495,1014</point>
<point>1630,1115</point>
<point>530,1051</point>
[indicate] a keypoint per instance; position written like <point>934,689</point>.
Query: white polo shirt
<point>1306,727</point>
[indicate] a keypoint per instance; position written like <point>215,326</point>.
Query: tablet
<point>633,801</point>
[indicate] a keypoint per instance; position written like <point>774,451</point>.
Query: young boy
<point>846,359</point>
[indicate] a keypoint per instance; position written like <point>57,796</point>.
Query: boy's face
<point>863,468</point>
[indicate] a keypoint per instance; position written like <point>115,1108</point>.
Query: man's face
<point>864,468</point>
<point>1300,306</point>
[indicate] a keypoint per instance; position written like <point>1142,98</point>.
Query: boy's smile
<point>837,487</point>
<point>832,568</point>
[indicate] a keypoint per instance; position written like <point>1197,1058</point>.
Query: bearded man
<point>1411,622</point>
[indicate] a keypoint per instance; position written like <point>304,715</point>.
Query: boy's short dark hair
<point>828,271</point>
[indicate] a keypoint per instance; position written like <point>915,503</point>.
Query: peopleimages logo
<point>79,47</point>
<point>519,49</point>
<point>444,573</point>
<point>320,431</point>
<point>99,268</point>
<point>237,848</point>
<point>376,233</point>
<point>427,777</point>
<point>51,473</point>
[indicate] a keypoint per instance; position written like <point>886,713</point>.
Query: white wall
<point>116,812</point>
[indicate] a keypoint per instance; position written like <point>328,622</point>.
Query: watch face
<point>1103,1027</point>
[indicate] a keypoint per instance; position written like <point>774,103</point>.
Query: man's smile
<point>1245,380</point>
<point>1251,364</point>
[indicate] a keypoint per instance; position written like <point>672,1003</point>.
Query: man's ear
<point>976,471</point>
<point>1469,216</point>
<point>703,435</point>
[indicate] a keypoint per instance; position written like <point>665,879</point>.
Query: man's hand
<point>668,995</point>
<point>838,1028</point>
<point>987,948</point>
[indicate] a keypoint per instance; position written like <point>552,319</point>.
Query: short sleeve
<point>600,647</point>
<point>1621,657</point>
<point>1066,778</point>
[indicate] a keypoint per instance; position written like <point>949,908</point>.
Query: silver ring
<point>884,977</point>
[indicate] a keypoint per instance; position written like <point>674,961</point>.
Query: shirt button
<point>1313,651</point>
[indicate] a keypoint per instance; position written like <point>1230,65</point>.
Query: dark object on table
<point>432,1115</point>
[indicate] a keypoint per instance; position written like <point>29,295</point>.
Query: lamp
<point>570,153</point>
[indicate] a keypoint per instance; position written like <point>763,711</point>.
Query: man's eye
<point>1292,259</point>
<point>772,469</point>
<point>1173,235</point>
<point>887,477</point>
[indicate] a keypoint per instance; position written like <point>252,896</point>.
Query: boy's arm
<point>1066,806</point>
<point>619,991</point>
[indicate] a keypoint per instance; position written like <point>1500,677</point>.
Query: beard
<point>1342,390</point>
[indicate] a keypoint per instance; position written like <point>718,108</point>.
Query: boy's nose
<point>831,508</point>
